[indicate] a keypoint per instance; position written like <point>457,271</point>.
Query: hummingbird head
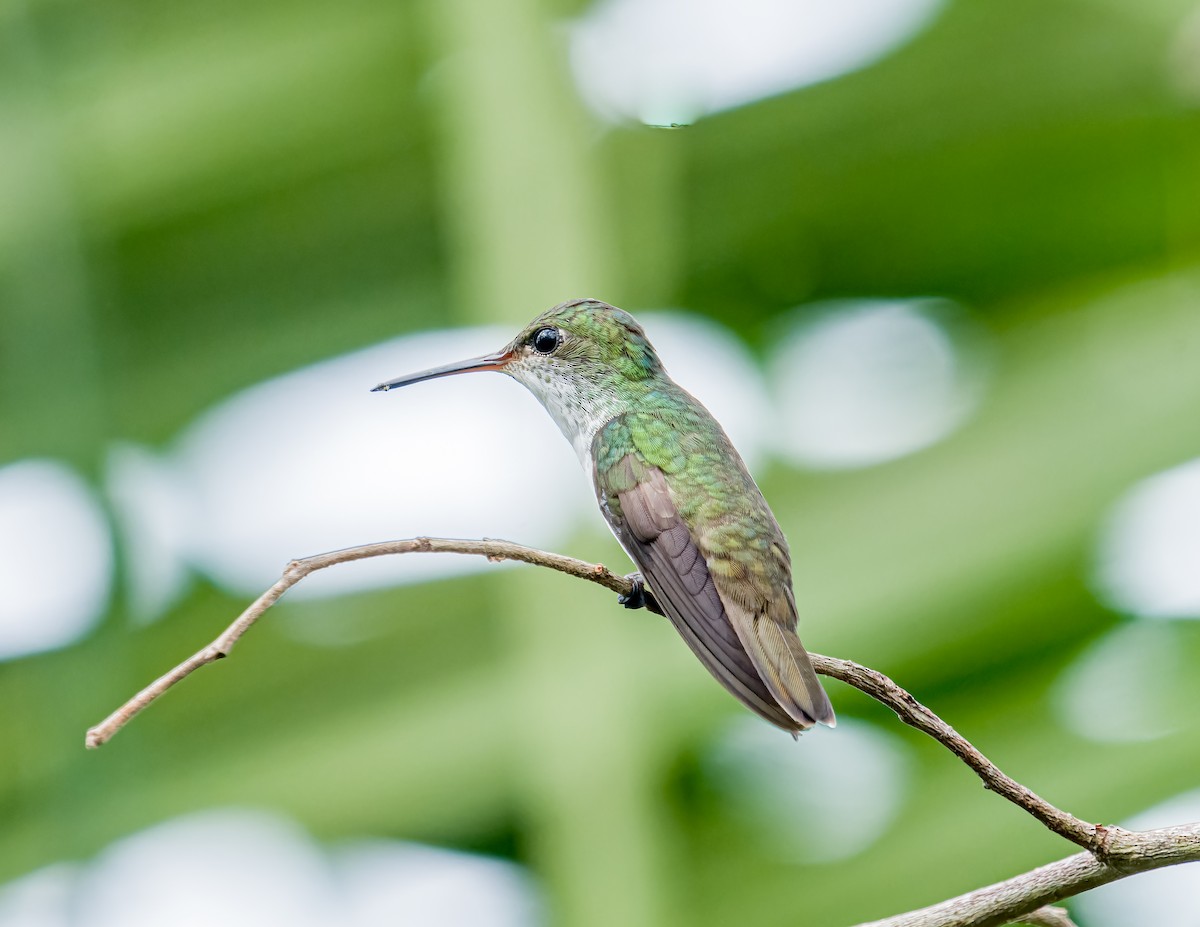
<point>584,360</point>
<point>582,339</point>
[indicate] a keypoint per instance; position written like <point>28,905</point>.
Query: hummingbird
<point>677,496</point>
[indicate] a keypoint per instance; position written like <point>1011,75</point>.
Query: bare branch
<point>295,571</point>
<point>1113,852</point>
<point>1125,853</point>
<point>913,713</point>
<point>873,683</point>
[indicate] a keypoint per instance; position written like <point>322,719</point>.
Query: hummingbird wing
<point>756,658</point>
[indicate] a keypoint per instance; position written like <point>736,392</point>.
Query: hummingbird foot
<point>640,596</point>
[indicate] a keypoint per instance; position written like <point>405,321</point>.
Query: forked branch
<point>1112,853</point>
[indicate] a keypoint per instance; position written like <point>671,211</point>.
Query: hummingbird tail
<point>785,667</point>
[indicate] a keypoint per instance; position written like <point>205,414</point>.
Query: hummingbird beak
<point>495,361</point>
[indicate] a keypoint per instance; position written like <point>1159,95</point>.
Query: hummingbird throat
<point>580,408</point>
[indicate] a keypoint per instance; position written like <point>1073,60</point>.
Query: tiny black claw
<point>639,596</point>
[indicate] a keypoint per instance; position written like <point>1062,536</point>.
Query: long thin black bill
<point>487,362</point>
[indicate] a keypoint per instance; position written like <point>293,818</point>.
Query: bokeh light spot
<point>824,798</point>
<point>861,382</point>
<point>257,868</point>
<point>313,461</point>
<point>56,558</point>
<point>239,867</point>
<point>40,899</point>
<point>1150,548</point>
<point>1125,686</point>
<point>384,882</point>
<point>151,512</point>
<point>1183,59</point>
<point>671,61</point>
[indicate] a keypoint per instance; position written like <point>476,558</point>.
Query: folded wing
<point>756,658</point>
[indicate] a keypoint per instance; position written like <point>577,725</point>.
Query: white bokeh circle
<point>672,61</point>
<point>56,557</point>
<point>248,868</point>
<point>826,797</point>
<point>1148,562</point>
<point>1125,686</point>
<point>859,382</point>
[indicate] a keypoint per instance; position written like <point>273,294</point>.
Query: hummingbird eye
<point>546,340</point>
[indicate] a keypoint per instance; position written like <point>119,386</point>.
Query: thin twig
<point>1048,916</point>
<point>295,571</point>
<point>913,713</point>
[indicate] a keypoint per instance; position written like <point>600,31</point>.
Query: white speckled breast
<point>579,407</point>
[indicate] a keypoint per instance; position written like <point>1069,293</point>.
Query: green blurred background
<point>196,198</point>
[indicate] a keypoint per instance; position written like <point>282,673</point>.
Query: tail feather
<point>784,665</point>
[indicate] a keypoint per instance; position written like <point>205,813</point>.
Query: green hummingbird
<point>678,497</point>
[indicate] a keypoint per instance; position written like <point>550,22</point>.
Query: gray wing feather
<point>651,531</point>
